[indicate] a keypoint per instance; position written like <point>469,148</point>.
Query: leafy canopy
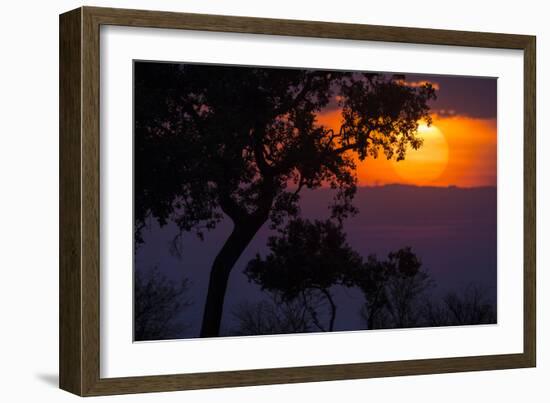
<point>240,141</point>
<point>305,256</point>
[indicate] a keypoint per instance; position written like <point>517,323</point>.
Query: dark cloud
<point>475,97</point>
<point>460,95</point>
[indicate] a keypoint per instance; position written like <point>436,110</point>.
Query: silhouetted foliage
<point>306,259</point>
<point>157,304</point>
<point>215,140</point>
<point>470,307</point>
<point>393,290</point>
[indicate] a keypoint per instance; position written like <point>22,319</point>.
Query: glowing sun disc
<point>425,165</point>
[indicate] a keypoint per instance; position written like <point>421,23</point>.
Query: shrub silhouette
<point>469,307</point>
<point>157,304</point>
<point>273,316</point>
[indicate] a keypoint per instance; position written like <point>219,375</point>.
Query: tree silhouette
<point>306,259</point>
<point>243,142</point>
<point>393,289</point>
<point>372,280</point>
<point>157,303</point>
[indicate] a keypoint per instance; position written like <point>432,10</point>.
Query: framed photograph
<point>249,201</point>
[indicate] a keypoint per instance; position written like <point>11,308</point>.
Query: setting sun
<point>426,164</point>
<point>457,151</point>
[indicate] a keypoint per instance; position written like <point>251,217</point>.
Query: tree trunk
<point>235,245</point>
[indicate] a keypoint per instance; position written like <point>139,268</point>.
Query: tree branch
<point>332,307</point>
<point>299,97</point>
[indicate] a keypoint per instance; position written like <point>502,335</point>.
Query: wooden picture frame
<point>79,201</point>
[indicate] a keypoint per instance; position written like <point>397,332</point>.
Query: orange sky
<point>457,151</point>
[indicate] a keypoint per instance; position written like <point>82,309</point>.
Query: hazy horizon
<point>451,232</point>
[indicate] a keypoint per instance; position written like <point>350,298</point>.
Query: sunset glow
<point>457,151</point>
<point>426,164</point>
<point>270,200</point>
